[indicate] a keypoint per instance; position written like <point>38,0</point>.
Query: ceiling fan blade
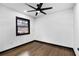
<point>36,14</point>
<point>46,8</point>
<point>31,6</point>
<point>31,10</point>
<point>39,5</point>
<point>43,12</point>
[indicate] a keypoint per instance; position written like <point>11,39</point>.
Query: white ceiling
<point>21,7</point>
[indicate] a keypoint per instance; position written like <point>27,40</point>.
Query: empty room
<point>39,29</point>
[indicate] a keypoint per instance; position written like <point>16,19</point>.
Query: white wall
<point>76,28</point>
<point>56,28</point>
<point>8,38</point>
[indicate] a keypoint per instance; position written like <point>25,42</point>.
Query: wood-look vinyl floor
<point>39,49</point>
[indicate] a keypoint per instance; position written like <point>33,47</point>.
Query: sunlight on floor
<point>24,54</point>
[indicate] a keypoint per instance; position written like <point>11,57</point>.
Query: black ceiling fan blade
<point>36,14</point>
<point>46,8</point>
<point>43,12</point>
<point>31,6</point>
<point>31,10</point>
<point>39,5</point>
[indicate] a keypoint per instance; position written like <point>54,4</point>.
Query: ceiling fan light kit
<point>39,9</point>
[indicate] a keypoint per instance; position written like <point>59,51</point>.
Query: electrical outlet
<point>78,49</point>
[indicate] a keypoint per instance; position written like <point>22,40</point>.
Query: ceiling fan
<point>38,9</point>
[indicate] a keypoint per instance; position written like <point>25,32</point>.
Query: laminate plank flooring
<point>38,49</point>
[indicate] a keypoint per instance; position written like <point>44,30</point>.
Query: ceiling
<point>23,8</point>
